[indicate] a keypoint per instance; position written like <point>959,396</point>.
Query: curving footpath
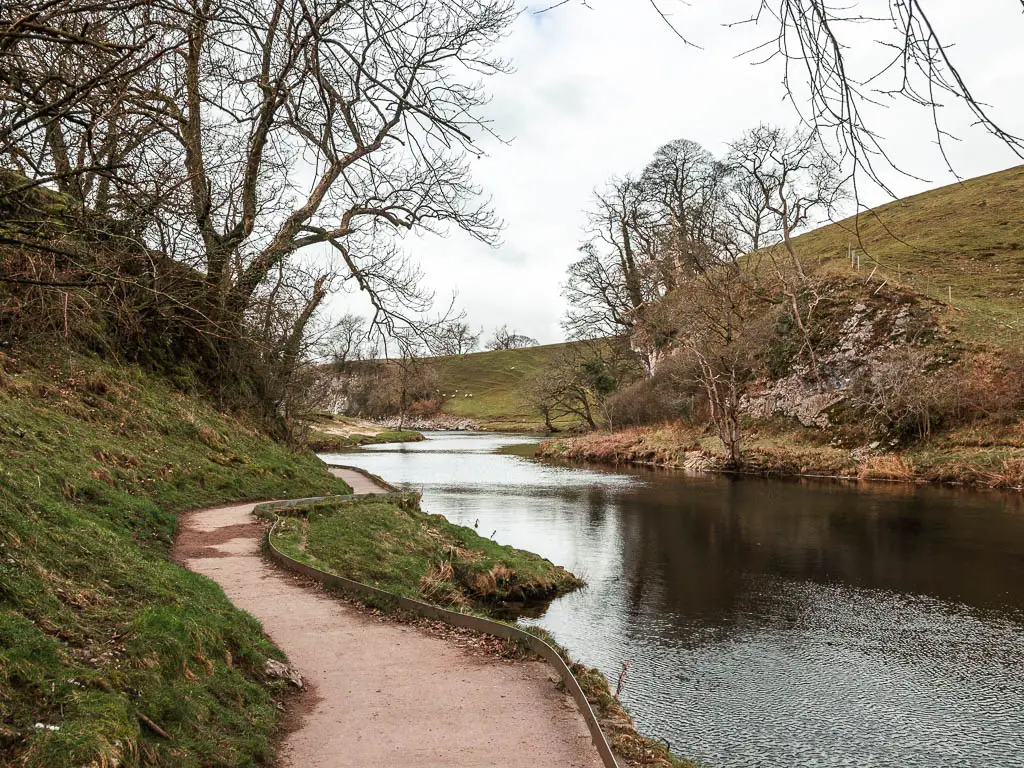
<point>379,693</point>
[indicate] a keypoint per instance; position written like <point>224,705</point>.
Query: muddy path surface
<point>381,693</point>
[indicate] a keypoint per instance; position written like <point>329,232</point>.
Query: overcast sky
<point>596,91</point>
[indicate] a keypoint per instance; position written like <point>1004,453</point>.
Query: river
<point>777,624</point>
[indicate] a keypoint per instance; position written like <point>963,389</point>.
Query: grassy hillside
<point>99,631</point>
<point>962,244</point>
<point>490,387</point>
<point>964,241</point>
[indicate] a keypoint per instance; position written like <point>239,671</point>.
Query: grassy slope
<point>399,548</point>
<point>964,240</point>
<point>97,626</point>
<point>497,382</point>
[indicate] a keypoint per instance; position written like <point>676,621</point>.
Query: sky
<point>597,88</point>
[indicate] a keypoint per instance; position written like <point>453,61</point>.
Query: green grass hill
<point>961,244</point>
<point>491,387</point>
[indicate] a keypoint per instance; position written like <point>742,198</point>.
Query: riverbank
<point>393,545</point>
<point>381,693</point>
<point>339,433</point>
<point>989,458</point>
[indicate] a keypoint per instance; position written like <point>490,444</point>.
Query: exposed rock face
<point>855,336</point>
<point>440,421</point>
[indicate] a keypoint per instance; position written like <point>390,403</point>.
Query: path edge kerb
<point>427,610</point>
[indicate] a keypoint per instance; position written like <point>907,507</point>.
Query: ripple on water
<point>852,677</point>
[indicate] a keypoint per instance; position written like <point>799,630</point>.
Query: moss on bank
<point>104,642</point>
<point>983,456</point>
<point>396,546</point>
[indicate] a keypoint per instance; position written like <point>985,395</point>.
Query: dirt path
<point>384,694</point>
<point>360,483</point>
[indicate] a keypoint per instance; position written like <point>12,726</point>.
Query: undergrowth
<point>110,654</point>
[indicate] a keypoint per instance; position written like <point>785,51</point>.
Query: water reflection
<point>769,623</point>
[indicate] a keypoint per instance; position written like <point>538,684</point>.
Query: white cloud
<point>596,91</point>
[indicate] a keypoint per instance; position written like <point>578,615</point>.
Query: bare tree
<point>504,338</point>
<point>455,338</point>
<point>620,271</point>
<point>836,93</point>
<point>716,312</point>
<point>347,342</point>
<point>841,95</point>
<point>685,183</point>
<point>748,224</point>
<point>645,237</point>
<point>799,183</point>
<point>272,127</point>
<point>575,384</point>
<point>65,67</point>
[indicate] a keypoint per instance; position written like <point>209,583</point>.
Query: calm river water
<point>768,623</point>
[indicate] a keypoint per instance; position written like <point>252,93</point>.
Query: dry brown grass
<point>1011,475</point>
<point>886,467</point>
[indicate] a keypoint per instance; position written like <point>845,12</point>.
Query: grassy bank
<point>972,456</point>
<point>110,654</point>
<point>397,547</point>
<point>327,442</point>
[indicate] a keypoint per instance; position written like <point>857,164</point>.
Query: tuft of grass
<point>400,548</point>
<point>101,635</point>
<point>887,467</point>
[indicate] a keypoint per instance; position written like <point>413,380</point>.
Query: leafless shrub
<point>392,388</point>
<point>987,386</point>
<point>646,402</point>
<point>902,395</point>
<point>455,338</point>
<point>718,313</point>
<point>576,384</point>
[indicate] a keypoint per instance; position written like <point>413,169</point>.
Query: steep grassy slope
<point>101,636</point>
<point>491,387</point>
<point>963,242</point>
